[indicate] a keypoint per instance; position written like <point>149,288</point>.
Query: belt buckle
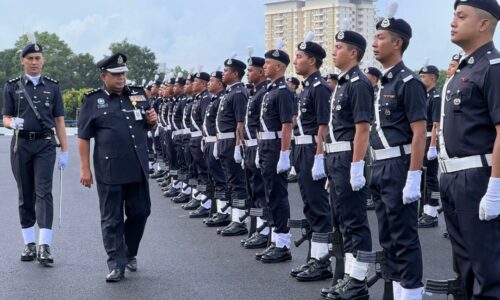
<point>31,136</point>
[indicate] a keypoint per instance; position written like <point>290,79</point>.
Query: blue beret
<point>293,80</point>
<point>278,55</point>
<point>398,26</point>
<point>235,63</point>
<point>490,6</point>
<point>255,61</point>
<point>351,37</point>
<point>171,81</point>
<point>374,71</point>
<point>203,76</point>
<point>217,74</point>
<point>430,69</point>
<point>313,49</point>
<point>180,81</point>
<point>32,48</point>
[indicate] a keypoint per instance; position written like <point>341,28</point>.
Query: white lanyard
<point>442,147</point>
<point>193,122</point>
<point>380,132</point>
<point>264,127</point>
<point>221,104</point>
<point>174,108</point>
<point>184,117</point>
<point>330,125</point>
<point>299,122</point>
<point>247,130</point>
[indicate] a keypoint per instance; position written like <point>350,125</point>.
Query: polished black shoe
<point>181,198</point>
<point>276,255</point>
<point>243,241</point>
<point>292,178</point>
<point>200,212</point>
<point>115,275</point>
<point>370,205</point>
<point>446,235</point>
<point>44,256</point>
<point>259,241</point>
<point>334,289</point>
<point>301,268</point>
<point>192,204</point>
<point>427,221</point>
<point>29,252</point>
<point>219,220</point>
<point>259,255</point>
<point>131,264</point>
<point>316,271</point>
<point>234,229</point>
<point>165,184</point>
<point>172,192</point>
<point>158,174</point>
<point>353,290</point>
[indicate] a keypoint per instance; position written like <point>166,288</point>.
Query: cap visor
<point>118,70</point>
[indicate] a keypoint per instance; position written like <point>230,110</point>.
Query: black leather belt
<point>35,135</point>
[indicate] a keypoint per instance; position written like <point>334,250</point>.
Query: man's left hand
<point>63,160</point>
<point>151,117</point>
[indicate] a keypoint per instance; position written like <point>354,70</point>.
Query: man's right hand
<point>17,123</point>
<point>86,178</point>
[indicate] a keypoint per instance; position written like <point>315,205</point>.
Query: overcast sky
<point>194,32</point>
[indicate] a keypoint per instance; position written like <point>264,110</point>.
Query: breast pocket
<point>108,118</point>
<point>461,97</point>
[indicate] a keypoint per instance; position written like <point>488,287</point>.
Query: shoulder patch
<point>14,79</point>
<point>51,79</point>
<point>136,86</point>
<point>408,78</point>
<point>436,96</point>
<point>354,79</point>
<point>282,87</point>
<point>495,61</point>
<point>316,83</point>
<point>92,92</point>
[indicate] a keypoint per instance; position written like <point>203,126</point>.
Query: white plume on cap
<point>426,61</point>
<point>150,83</point>
<point>157,76</point>
<point>191,70</point>
<point>392,8</point>
<point>218,68</point>
<point>234,54</point>
<point>143,82</point>
<point>250,51</point>
<point>279,44</point>
<point>180,75</point>
<point>345,24</point>
<point>31,37</point>
<point>200,68</point>
<point>309,37</point>
<point>166,77</point>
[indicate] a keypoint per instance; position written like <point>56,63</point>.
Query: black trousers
<point>215,172</point>
<point>314,194</point>
<point>233,171</point>
<point>199,161</point>
<point>179,161</point>
<point>151,148</point>
<point>33,168</point>
<point>163,144</point>
<point>169,149</point>
<point>190,170</point>
<point>254,180</point>
<point>475,243</point>
<point>275,185</point>
<point>397,223</point>
<point>349,206</point>
<point>431,179</point>
<point>121,238</point>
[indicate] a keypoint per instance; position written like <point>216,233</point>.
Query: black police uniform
<point>170,147</point>
<point>314,107</point>
<point>177,136</point>
<point>33,161</point>
<point>433,115</point>
<point>119,128</point>
<point>471,112</point>
<point>352,104</point>
<point>402,101</point>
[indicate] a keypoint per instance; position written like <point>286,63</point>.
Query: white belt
<point>392,152</point>
<point>169,127</point>
<point>210,139</point>
<point>429,134</point>
<point>269,135</point>
<point>337,147</point>
<point>177,132</point>
<point>186,131</point>
<point>196,133</point>
<point>463,163</point>
<point>250,143</point>
<point>226,135</point>
<point>304,139</point>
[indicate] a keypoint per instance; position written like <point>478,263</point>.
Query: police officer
<point>332,80</point>
<point>469,152</point>
<point>312,126</point>
<point>347,142</point>
<point>397,141</point>
<point>293,83</point>
<point>221,213</point>
<point>453,66</point>
<point>153,139</point>
<point>167,181</point>
<point>118,118</point>
<point>33,106</point>
<point>254,180</point>
<point>230,128</point>
<point>429,76</point>
<point>274,152</point>
<point>373,74</point>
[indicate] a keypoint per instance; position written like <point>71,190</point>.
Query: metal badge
<point>100,101</point>
<point>471,60</point>
<point>389,75</point>
<point>338,107</point>
<point>385,23</point>
<point>340,35</point>
<point>387,112</point>
<point>37,48</point>
<point>303,46</point>
<point>47,104</point>
<point>303,110</point>
<point>120,60</point>
<point>229,61</point>
<point>276,53</point>
<point>457,101</point>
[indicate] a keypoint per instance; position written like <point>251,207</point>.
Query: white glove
<point>489,207</point>
<point>358,180</point>
<point>257,165</point>
<point>149,134</point>
<point>284,162</point>
<point>17,123</point>
<point>215,153</point>
<point>318,169</point>
<point>411,191</point>
<point>237,154</point>
<point>432,153</point>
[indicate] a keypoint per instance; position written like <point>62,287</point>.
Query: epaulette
<point>282,87</point>
<point>92,92</point>
<point>135,86</point>
<point>51,79</point>
<point>316,83</point>
<point>14,79</point>
<point>494,57</point>
<point>408,78</point>
<point>354,79</point>
<point>436,95</point>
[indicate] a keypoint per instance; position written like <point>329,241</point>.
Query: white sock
<point>29,235</point>
<point>236,214</point>
<point>265,231</point>
<point>45,237</point>
<point>207,204</point>
<point>283,240</point>
<point>220,205</point>
<point>177,185</point>
<point>411,294</point>
<point>433,211</point>
<point>150,165</point>
<point>396,290</point>
<point>358,270</point>
<point>292,171</point>
<point>187,191</point>
<point>260,222</point>
<point>349,259</point>
<point>273,236</point>
<point>318,250</point>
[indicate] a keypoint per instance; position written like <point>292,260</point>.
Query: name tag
<point>137,115</point>
<point>137,98</point>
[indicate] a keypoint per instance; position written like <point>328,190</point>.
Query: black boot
<point>181,198</point>
<point>427,221</point>
<point>200,212</point>
<point>234,229</point>
<point>192,204</point>
<point>316,271</point>
<point>29,252</point>
<point>353,290</point>
<point>219,220</point>
<point>301,268</point>
<point>172,192</point>
<point>44,256</point>
<point>276,255</point>
<point>334,289</point>
<point>259,241</point>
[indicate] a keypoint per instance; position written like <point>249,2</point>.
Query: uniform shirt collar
<point>309,80</point>
<point>229,87</point>
<point>390,73</point>
<point>278,82</point>
<point>349,74</point>
<point>476,55</point>
<point>261,85</point>
<point>35,80</point>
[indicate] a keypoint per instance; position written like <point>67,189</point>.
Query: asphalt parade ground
<point>179,258</point>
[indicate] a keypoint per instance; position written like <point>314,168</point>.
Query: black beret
<point>180,81</point>
<point>32,48</point>
<point>293,80</point>
<point>149,87</point>
<point>332,77</point>
<point>398,26</point>
<point>249,86</point>
<point>171,81</point>
<point>217,74</point>
<point>235,63</point>
<point>456,57</point>
<point>373,71</point>
<point>351,37</point>
<point>278,55</point>
<point>313,49</point>
<point>255,61</point>
<point>203,76</point>
<point>158,82</point>
<point>191,77</point>
<point>115,63</point>
<point>490,6</point>
<point>430,69</point>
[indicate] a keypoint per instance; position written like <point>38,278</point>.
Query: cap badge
<point>120,59</point>
<point>37,48</point>
<point>386,23</point>
<point>303,46</point>
<point>340,35</point>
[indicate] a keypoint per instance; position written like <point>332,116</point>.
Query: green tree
<point>141,60</point>
<point>84,72</point>
<point>73,101</point>
<point>9,68</point>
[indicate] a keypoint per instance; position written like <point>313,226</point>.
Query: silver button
<point>107,157</point>
<point>127,118</point>
<point>133,136</point>
<point>130,127</point>
<point>135,146</point>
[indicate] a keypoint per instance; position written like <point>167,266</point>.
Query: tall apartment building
<point>292,19</point>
